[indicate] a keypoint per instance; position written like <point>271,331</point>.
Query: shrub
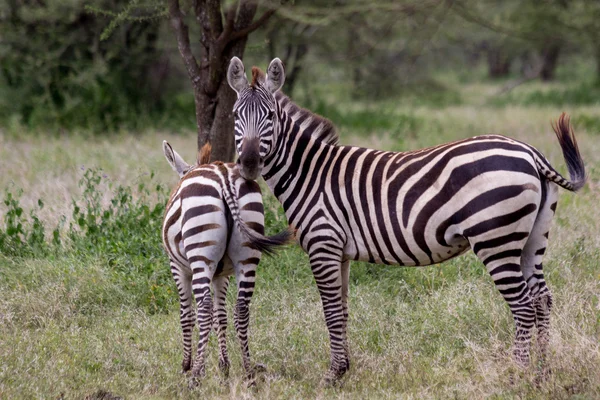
<point>123,237</point>
<point>56,73</point>
<point>583,94</point>
<point>23,235</point>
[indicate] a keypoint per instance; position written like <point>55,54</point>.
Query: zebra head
<point>255,113</point>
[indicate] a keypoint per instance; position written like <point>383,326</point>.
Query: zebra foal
<point>490,193</point>
<point>213,228</point>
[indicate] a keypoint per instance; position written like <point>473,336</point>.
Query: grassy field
<point>89,316</point>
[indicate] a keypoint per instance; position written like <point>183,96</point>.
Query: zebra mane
<point>320,127</point>
<point>258,77</point>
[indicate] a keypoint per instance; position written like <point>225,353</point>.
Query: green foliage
<point>369,120</point>
<point>124,235</point>
<point>23,235</point>
<point>582,94</point>
<point>110,230</point>
<point>57,74</point>
<point>587,122</point>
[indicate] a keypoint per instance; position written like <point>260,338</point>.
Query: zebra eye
<point>235,115</point>
<point>271,114</point>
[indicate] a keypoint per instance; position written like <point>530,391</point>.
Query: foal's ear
<point>175,160</point>
<point>275,75</point>
<point>236,75</point>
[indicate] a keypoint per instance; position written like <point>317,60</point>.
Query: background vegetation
<point>87,305</point>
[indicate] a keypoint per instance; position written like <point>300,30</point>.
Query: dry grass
<point>437,332</point>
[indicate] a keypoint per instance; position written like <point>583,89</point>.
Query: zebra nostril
<point>238,162</point>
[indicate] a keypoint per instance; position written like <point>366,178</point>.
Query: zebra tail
<point>568,144</point>
<point>264,244</point>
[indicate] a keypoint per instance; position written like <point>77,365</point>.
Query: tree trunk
<point>597,63</point>
<point>498,63</point>
<point>223,34</point>
<point>550,55</point>
<point>215,111</point>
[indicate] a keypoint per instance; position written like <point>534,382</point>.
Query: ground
<point>70,329</point>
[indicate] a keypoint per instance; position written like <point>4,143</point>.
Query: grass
<point>90,318</point>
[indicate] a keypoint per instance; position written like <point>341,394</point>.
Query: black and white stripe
<point>492,194</point>
<point>205,249</point>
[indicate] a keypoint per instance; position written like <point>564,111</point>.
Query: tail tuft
<point>267,244</point>
<point>568,143</point>
<point>204,154</point>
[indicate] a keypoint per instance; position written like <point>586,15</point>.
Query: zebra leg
<point>532,267</point>
<point>186,312</point>
<point>220,285</point>
<point>245,259</point>
<point>242,321</point>
<point>328,276</point>
<point>503,264</point>
<point>201,287</point>
<point>345,288</point>
<point>245,276</point>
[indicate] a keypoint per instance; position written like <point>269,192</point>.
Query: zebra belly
<point>426,230</point>
<point>459,246</point>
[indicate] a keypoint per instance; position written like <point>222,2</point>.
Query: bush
<point>24,236</point>
<point>123,237</point>
<point>56,73</point>
<point>583,94</point>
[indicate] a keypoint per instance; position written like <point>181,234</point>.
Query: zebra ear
<point>236,75</point>
<point>175,160</point>
<point>275,75</point>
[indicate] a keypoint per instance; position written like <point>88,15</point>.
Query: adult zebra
<point>490,193</point>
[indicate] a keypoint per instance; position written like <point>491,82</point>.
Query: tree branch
<point>252,27</point>
<point>213,14</point>
<point>229,21</point>
<point>183,42</point>
<point>462,11</point>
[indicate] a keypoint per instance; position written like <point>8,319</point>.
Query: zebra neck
<point>305,140</point>
<point>291,170</point>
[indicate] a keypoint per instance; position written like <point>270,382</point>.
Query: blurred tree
<point>538,30</point>
<point>290,41</point>
<point>56,73</point>
<point>224,30</point>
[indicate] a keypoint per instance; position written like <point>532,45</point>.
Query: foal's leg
<point>220,284</point>
<point>245,260</point>
<point>183,280</point>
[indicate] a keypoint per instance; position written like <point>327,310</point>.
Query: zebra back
<point>225,177</point>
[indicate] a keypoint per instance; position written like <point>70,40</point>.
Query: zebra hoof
<point>255,369</point>
<point>542,376</point>
<point>197,375</point>
<point>252,374</point>
<point>194,382</point>
<point>224,368</point>
<point>186,365</point>
<point>333,379</point>
<point>259,368</point>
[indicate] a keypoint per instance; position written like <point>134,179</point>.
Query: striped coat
<point>491,194</point>
<point>213,228</point>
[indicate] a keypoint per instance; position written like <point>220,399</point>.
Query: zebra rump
<point>264,244</point>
